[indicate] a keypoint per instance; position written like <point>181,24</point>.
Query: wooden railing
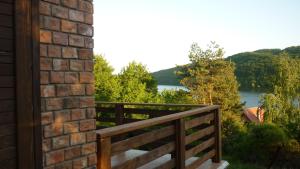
<point>162,130</point>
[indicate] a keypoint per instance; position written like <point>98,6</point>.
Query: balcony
<point>160,136</point>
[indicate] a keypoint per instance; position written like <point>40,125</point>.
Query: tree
<point>107,85</point>
<point>138,84</point>
<point>211,79</point>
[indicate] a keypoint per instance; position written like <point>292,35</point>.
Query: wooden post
<point>218,144</point>
<point>179,144</point>
<point>104,153</point>
<point>119,111</point>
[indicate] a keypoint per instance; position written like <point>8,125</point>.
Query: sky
<point>159,33</point>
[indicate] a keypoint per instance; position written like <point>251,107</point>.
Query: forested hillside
<point>254,70</point>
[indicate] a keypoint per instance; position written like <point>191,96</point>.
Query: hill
<point>253,69</point>
<point>167,77</point>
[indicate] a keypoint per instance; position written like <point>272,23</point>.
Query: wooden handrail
<point>112,131</point>
<point>151,104</point>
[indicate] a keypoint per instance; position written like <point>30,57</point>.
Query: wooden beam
<point>218,144</point>
<point>104,153</point>
<point>180,144</point>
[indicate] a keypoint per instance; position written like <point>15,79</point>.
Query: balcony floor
<point>130,154</point>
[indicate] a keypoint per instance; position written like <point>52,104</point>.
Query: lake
<point>251,98</point>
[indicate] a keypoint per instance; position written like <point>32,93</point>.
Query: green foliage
<point>175,97</point>
<point>107,85</point>
<point>283,105</point>
<point>210,79</point>
<point>138,85</point>
<point>255,70</point>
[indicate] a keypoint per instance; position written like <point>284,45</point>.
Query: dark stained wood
<point>6,21</point>
<point>6,33</point>
<point>180,144</point>
<point>198,121</point>
<point>198,148</point>
<point>7,129</point>
<point>6,69</point>
<point>7,153</point>
<point>151,122</point>
<point>7,141</point>
<point>7,81</point>
<point>7,1</point>
<point>104,153</point>
<point>202,159</point>
<point>218,144</point>
<point>7,93</point>
<point>27,84</point>
<point>119,112</point>
<point>6,8</point>
<point>199,134</point>
<point>99,103</point>
<point>7,106</point>
<point>147,157</point>
<point>6,57</point>
<point>142,139</point>
<point>8,164</point>
<point>6,45</point>
<point>7,117</point>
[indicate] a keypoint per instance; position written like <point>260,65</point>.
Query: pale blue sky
<point>159,33</point>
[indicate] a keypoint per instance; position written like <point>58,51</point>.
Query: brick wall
<point>66,49</point>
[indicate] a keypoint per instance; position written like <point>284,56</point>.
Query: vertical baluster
<point>104,153</point>
<point>180,144</point>
<point>119,112</point>
<point>218,145</point>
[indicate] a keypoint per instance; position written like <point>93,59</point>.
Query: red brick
<point>64,165</point>
<point>46,145</point>
<point>69,52</point>
<point>86,30</point>
<point>45,8</point>
<point>76,65</point>
<point>89,42</point>
<point>78,114</point>
<point>88,18</point>
<point>62,90</point>
<point>53,1</point>
<point>86,77</point>
<point>51,23</point>
<point>55,157</point>
<point>67,26</point>
<point>45,36</point>
<point>72,152</point>
<point>91,113</point>
<point>77,90</point>
<point>45,64</point>
<point>90,90</point>
<point>85,53</point>
<point>60,142</point>
<point>44,76</point>
<point>71,77</point>
<point>43,50</point>
<point>71,127</point>
<point>92,159</point>
<point>87,102</point>
<point>76,15</point>
<point>89,65</point>
<point>62,116</point>
<point>60,64</point>
<point>54,104</point>
<point>47,118</point>
<point>54,51</point>
<point>60,38</point>
<point>86,125</point>
<point>47,90</point>
<point>55,129</point>
<point>91,136</point>
<point>85,6</point>
<point>89,148</point>
<point>71,102</point>
<point>59,12</point>
<point>80,163</point>
<point>76,40</point>
<point>57,77</point>
<point>77,138</point>
<point>70,3</point>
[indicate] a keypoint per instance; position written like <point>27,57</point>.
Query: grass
<point>237,164</point>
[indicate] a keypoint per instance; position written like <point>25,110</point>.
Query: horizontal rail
<point>151,104</point>
<point>112,131</point>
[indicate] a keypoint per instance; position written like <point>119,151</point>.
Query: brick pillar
<point>68,108</point>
